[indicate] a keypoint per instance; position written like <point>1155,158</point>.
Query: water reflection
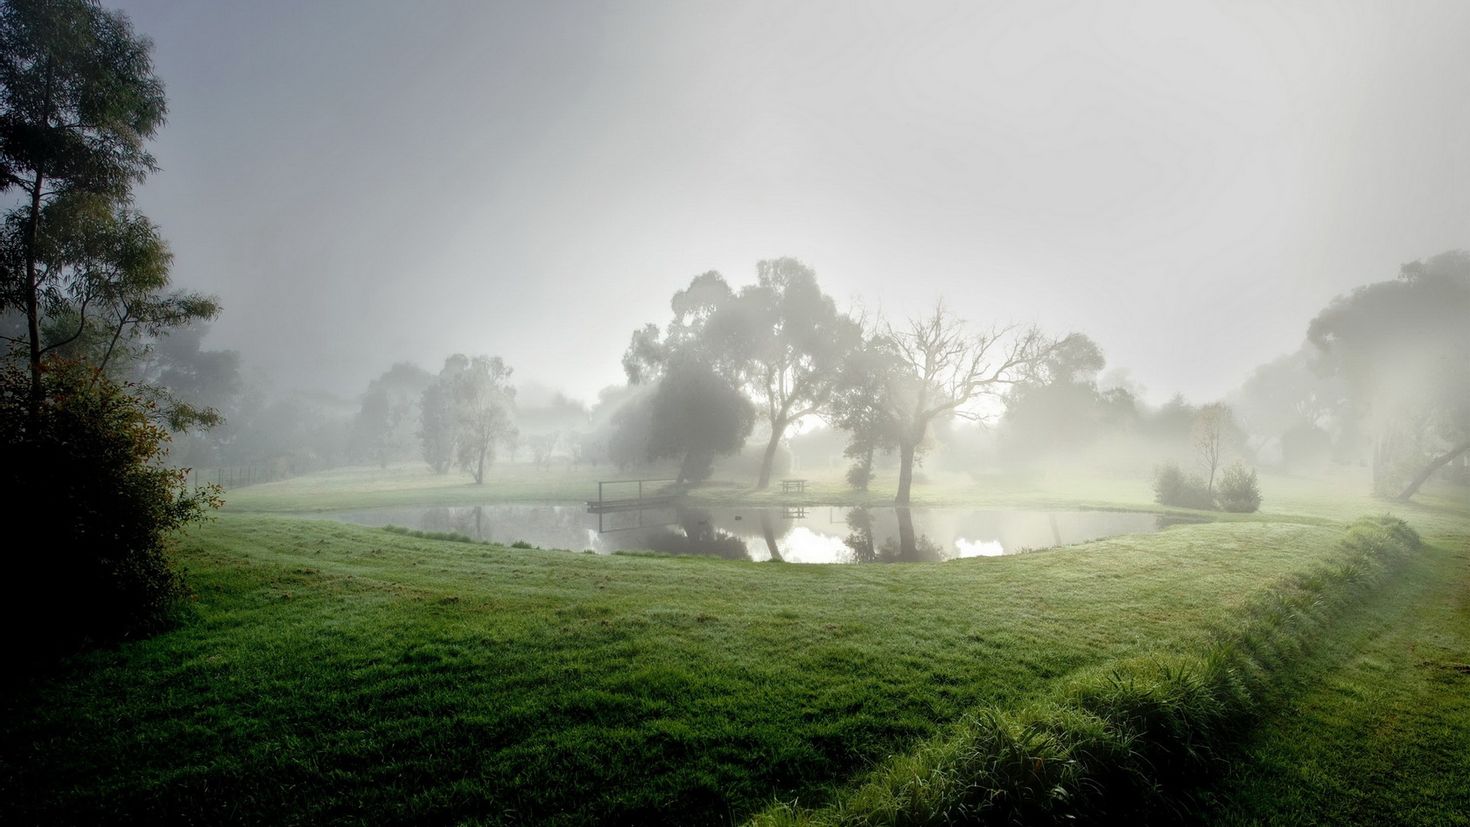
<point>793,535</point>
<point>697,535</point>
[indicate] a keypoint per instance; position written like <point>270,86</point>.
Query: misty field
<point>341,673</point>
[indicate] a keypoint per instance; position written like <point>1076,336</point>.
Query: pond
<point>796,535</point>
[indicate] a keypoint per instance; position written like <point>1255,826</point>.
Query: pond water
<point>796,535</point>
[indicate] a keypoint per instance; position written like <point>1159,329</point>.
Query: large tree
<point>1403,349</point>
<point>792,350</point>
<point>388,418</point>
<point>781,341</point>
<point>78,101</point>
<point>941,368</point>
<point>695,415</point>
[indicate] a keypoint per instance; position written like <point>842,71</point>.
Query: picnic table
<point>788,486</point>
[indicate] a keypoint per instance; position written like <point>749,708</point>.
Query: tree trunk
<point>33,303</point>
<point>480,469</point>
<point>1439,462</point>
<point>777,429</point>
<point>905,472</point>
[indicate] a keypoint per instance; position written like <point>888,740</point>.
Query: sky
<point>1188,183</point>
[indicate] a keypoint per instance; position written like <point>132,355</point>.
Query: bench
<point>788,486</point>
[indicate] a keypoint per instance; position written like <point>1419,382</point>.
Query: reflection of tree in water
<point>860,536</point>
<point>908,548</point>
<point>911,548</point>
<point>700,537</point>
<point>771,529</point>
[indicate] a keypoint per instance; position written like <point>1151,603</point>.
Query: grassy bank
<point>1379,729</point>
<point>1130,739</point>
<point>343,673</point>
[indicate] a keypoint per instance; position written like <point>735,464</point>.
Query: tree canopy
<point>1403,349</point>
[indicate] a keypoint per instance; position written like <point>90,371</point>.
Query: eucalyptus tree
<point>794,344</point>
<point>466,412</point>
<point>780,340</point>
<point>938,368</point>
<point>483,402</point>
<point>78,101</point>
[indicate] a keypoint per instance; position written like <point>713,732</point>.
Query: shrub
<point>83,484</point>
<point>1174,487</point>
<point>1238,490</point>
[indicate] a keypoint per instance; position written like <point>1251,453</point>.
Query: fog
<point>1188,184</point>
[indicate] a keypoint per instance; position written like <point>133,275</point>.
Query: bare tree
<point>1208,434</point>
<point>941,368</point>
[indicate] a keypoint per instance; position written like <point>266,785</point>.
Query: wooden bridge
<point>647,494</point>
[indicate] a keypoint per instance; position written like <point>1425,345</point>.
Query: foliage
<point>385,424</point>
<point>694,416</point>
<point>465,413</point>
<point>858,407</point>
<point>85,472</point>
<point>1059,409</point>
<point>1173,486</point>
<point>87,272</point>
<point>1239,491</point>
<point>780,340</point>
<point>1402,348</point>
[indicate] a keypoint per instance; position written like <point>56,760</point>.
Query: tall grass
<point>1123,741</point>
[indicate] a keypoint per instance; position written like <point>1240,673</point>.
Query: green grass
<point>340,673</point>
<point>1379,731</point>
<point>1128,741</point>
<point>346,674</point>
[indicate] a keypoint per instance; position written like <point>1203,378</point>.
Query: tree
<point>1211,434</point>
<point>467,413</point>
<point>941,369</point>
<point>791,346</point>
<point>385,423</point>
<point>1288,401</point>
<point>78,101</point>
<point>437,429</point>
<point>1059,409</point>
<point>781,340</point>
<point>482,403</point>
<point>695,415</point>
<point>1403,349</point>
<point>858,407</point>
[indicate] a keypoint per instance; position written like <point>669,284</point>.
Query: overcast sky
<point>1188,183</point>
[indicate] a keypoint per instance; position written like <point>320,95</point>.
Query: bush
<point>1174,487</point>
<point>1238,490</point>
<point>84,487</point>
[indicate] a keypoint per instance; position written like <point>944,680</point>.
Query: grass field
<point>332,673</point>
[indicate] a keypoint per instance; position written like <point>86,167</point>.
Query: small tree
<point>1212,432</point>
<point>481,401</point>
